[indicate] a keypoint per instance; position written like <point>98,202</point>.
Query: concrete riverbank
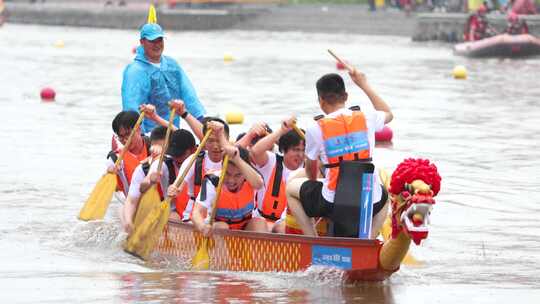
<point>272,17</point>
<point>322,18</point>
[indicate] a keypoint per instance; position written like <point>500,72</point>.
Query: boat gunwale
<point>290,238</point>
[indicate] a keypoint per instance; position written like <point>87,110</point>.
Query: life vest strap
<point>145,167</point>
<point>276,187</point>
<point>199,169</point>
<point>232,222</point>
<point>209,178</point>
<point>356,159</point>
<point>169,162</point>
<point>271,217</point>
<point>112,155</point>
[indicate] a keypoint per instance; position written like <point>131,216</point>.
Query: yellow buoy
<point>459,72</point>
<point>228,58</point>
<point>59,43</point>
<point>234,117</point>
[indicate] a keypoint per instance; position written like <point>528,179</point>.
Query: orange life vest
<point>275,199</point>
<point>130,162</point>
<point>345,138</point>
<point>183,197</point>
<point>236,208</point>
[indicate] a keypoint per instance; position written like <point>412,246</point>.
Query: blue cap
<point>151,31</point>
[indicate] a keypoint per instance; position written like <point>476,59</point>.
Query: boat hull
<point>233,250</point>
<point>500,46</point>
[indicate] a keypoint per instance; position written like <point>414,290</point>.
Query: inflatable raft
<point>503,45</point>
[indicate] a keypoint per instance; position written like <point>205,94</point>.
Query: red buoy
<point>48,94</point>
<point>385,134</point>
<point>340,66</point>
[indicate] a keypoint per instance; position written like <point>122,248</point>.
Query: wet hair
<point>289,140</point>
<point>124,120</point>
<point>207,119</point>
<point>331,88</point>
<point>181,141</point>
<point>158,133</point>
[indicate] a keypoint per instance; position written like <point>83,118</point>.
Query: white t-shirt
<point>266,172</point>
<point>315,146</point>
<point>138,177</point>
<point>208,165</point>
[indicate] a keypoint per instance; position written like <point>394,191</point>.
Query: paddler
<point>337,138</point>
<point>276,169</point>
<point>138,150</point>
<point>236,201</point>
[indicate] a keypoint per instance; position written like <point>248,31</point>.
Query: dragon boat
<point>502,45</point>
<point>412,187</point>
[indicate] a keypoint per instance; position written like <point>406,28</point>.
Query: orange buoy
<point>385,134</point>
<point>48,94</point>
<point>340,66</point>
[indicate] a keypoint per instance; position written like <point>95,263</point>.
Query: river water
<point>483,133</point>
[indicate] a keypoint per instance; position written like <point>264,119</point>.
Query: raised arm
<point>150,112</point>
<point>258,129</point>
<point>258,151</point>
<point>194,124</point>
<point>252,176</point>
<point>378,103</point>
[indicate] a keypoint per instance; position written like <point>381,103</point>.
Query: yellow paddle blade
<point>96,205</point>
<point>146,235</point>
<point>152,18</point>
<point>201,260</point>
<point>148,201</point>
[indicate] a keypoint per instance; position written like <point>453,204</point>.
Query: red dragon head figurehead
<point>413,185</point>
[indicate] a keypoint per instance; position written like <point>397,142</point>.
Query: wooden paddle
<point>145,236</point>
<point>151,197</point>
<point>201,260</point>
<point>346,65</point>
<point>300,132</point>
<point>96,205</point>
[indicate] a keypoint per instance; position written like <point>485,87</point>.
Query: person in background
<point>478,26</point>
<point>157,79</point>
<point>515,25</point>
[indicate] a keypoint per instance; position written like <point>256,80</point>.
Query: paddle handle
<point>180,178</point>
<point>130,138</point>
<point>346,65</point>
<point>300,133</point>
<point>167,136</point>
<point>218,190</point>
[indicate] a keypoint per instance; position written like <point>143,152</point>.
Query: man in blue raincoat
<point>156,79</point>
